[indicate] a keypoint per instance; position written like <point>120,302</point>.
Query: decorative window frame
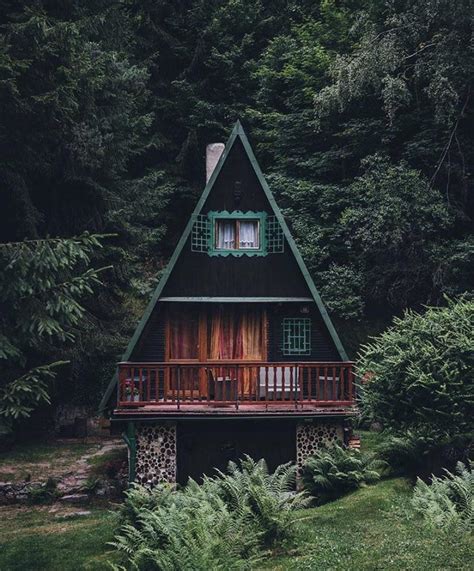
<point>214,216</point>
<point>296,344</point>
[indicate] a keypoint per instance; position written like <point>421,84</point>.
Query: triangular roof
<point>237,134</point>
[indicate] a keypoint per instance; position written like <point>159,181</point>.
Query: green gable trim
<point>219,299</point>
<point>237,215</point>
<point>292,244</point>
<point>237,133</point>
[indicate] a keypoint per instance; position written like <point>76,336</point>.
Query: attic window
<point>235,234</point>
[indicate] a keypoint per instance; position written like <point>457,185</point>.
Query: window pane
<point>225,234</point>
<point>296,336</point>
<point>248,234</point>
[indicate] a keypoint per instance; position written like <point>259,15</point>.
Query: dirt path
<point>75,466</point>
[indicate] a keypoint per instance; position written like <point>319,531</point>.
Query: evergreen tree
<point>42,283</point>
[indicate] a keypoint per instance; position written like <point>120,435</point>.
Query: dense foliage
<point>418,455</point>
<point>332,472</point>
<point>448,502</point>
<point>43,283</point>
<point>419,372</point>
<point>358,110</point>
<point>222,524</point>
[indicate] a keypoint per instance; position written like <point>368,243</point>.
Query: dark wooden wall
<point>205,445</point>
<point>322,345</point>
<point>197,274</point>
<point>151,347</point>
<point>274,275</point>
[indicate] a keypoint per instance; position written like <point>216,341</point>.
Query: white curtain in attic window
<point>225,235</point>
<point>248,234</point>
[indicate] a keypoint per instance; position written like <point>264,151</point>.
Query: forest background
<point>360,113</point>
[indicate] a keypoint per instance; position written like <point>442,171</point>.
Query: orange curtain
<point>184,334</point>
<point>237,332</point>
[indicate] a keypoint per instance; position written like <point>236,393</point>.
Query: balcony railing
<point>231,383</point>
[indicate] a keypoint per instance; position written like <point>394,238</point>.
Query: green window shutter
<point>201,234</point>
<point>296,336</point>
<point>275,240</point>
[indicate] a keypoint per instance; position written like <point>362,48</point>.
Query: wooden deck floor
<point>197,410</point>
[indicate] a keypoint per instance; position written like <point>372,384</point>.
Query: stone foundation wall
<point>156,454</point>
<point>310,437</point>
<point>156,448</point>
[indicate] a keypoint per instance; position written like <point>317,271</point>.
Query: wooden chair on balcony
<point>221,388</point>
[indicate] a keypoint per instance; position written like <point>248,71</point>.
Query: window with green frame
<point>296,336</point>
<point>237,233</point>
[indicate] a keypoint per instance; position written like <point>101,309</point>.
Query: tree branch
<point>451,137</point>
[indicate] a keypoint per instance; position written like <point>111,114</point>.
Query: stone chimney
<point>213,154</point>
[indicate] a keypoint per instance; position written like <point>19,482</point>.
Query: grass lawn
<point>34,539</point>
<point>373,528</point>
<point>41,459</point>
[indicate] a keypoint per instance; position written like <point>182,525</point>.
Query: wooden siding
<point>322,346</point>
<point>274,275</point>
<point>151,347</point>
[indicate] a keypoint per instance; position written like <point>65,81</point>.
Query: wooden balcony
<point>230,387</point>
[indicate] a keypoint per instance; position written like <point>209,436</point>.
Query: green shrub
<point>419,373</point>
<point>335,471</point>
<point>420,456</point>
<point>448,502</point>
<point>268,498</point>
<point>139,499</point>
<point>46,494</point>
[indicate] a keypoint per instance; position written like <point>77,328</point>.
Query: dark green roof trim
<point>166,274</point>
<point>292,244</point>
<point>237,133</point>
<point>237,299</point>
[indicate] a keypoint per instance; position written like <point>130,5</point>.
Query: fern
<point>191,529</point>
<point>448,502</point>
<point>249,489</point>
<point>335,471</point>
<point>221,524</point>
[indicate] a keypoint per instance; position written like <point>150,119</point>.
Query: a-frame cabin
<point>235,353</point>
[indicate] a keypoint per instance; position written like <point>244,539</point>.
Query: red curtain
<point>183,333</point>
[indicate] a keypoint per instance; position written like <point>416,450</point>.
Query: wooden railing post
<point>178,385</point>
<point>351,382</point>
<point>237,383</point>
<point>121,384</point>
